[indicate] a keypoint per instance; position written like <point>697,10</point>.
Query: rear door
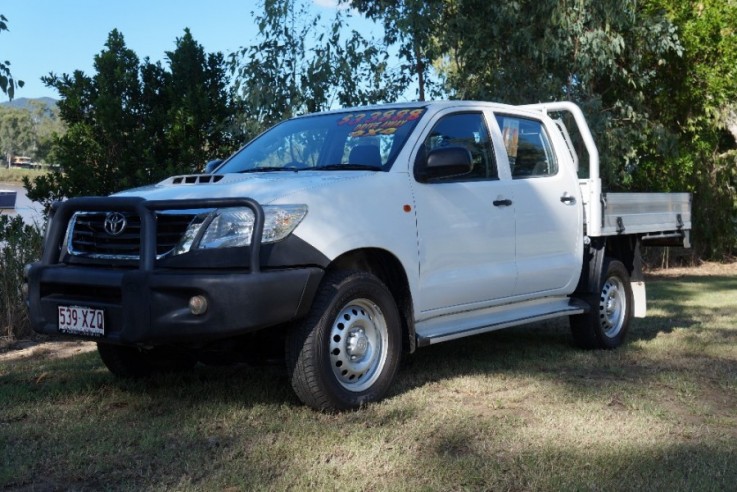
<point>465,222</point>
<point>547,203</point>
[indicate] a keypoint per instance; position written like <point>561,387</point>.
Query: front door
<point>465,223</point>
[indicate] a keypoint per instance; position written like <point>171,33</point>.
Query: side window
<point>528,147</point>
<point>465,130</point>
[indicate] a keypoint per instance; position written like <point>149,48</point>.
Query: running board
<point>453,326</point>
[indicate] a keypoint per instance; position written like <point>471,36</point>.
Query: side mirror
<point>212,165</point>
<point>444,162</point>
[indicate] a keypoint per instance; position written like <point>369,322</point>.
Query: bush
<point>20,244</point>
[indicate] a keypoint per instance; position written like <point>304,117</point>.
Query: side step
<point>459,325</point>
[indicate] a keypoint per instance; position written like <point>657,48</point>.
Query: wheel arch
<point>625,248</point>
<point>387,268</point>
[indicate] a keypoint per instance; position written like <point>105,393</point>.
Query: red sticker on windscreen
<point>379,122</point>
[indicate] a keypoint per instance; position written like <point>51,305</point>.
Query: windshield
<point>342,141</point>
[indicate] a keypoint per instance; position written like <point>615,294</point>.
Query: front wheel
<point>346,351</point>
<point>606,324</point>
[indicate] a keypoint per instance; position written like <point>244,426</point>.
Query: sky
<point>61,36</point>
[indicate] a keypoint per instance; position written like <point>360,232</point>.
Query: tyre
<point>345,353</point>
<point>606,324</point>
<point>131,362</point>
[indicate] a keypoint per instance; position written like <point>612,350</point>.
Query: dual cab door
<point>511,228</point>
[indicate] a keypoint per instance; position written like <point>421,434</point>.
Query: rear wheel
<point>132,362</point>
<point>606,324</point>
<point>346,352</point>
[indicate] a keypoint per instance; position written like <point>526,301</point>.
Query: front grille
<point>88,237</point>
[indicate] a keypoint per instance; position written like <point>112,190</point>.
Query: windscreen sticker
<point>379,122</point>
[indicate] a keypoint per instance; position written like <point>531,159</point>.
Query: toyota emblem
<point>115,223</point>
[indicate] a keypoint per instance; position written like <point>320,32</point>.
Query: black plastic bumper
<point>152,307</point>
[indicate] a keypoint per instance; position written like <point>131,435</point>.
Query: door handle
<point>568,199</point>
<point>502,202</point>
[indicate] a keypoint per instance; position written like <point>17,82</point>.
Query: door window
<point>467,130</point>
<point>528,147</point>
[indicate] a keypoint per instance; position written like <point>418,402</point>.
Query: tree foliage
<point>694,100</point>
<point>415,27</point>
<point>656,78</point>
<point>300,65</point>
<point>17,133</point>
<point>29,131</point>
<point>48,126</point>
<point>134,123</point>
<point>604,55</point>
<point>7,82</point>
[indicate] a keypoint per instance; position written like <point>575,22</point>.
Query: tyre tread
<point>302,347</point>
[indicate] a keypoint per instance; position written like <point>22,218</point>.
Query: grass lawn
<point>519,409</point>
<point>15,176</point>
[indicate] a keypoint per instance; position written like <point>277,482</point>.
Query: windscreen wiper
<point>269,169</point>
<point>344,167</point>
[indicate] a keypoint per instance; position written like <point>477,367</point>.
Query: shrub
<point>20,244</point>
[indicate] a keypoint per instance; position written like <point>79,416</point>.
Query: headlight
<point>233,227</point>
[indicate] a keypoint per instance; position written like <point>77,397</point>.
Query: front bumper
<point>150,304</point>
<point>152,307</point>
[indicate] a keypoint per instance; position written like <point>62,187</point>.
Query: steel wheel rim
<point>358,345</point>
<point>612,307</point>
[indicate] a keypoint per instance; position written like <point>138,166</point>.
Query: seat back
<point>368,155</point>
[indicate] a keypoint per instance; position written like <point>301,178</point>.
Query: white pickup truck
<point>350,237</point>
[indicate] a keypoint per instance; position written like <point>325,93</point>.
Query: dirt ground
<point>46,349</point>
<point>52,349</point>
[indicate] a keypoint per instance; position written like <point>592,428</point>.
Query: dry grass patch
<point>14,176</point>
<point>512,410</point>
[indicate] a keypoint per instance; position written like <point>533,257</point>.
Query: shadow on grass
<point>542,350</point>
<point>555,466</point>
<point>671,296</point>
<point>72,423</point>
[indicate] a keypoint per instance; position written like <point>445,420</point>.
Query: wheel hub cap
<point>612,308</point>
<point>358,343</point>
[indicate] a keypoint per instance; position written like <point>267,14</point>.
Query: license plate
<point>80,320</point>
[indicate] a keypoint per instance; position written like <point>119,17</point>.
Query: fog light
<point>198,305</point>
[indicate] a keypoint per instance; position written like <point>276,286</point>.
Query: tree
<point>17,133</point>
<point>656,78</point>
<point>134,123</point>
<point>48,126</point>
<point>200,112</point>
<point>604,55</point>
<point>292,69</point>
<point>694,100</point>
<point>413,25</point>
<point>7,82</point>
<point>101,151</point>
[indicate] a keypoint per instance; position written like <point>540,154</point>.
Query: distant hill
<point>25,103</point>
